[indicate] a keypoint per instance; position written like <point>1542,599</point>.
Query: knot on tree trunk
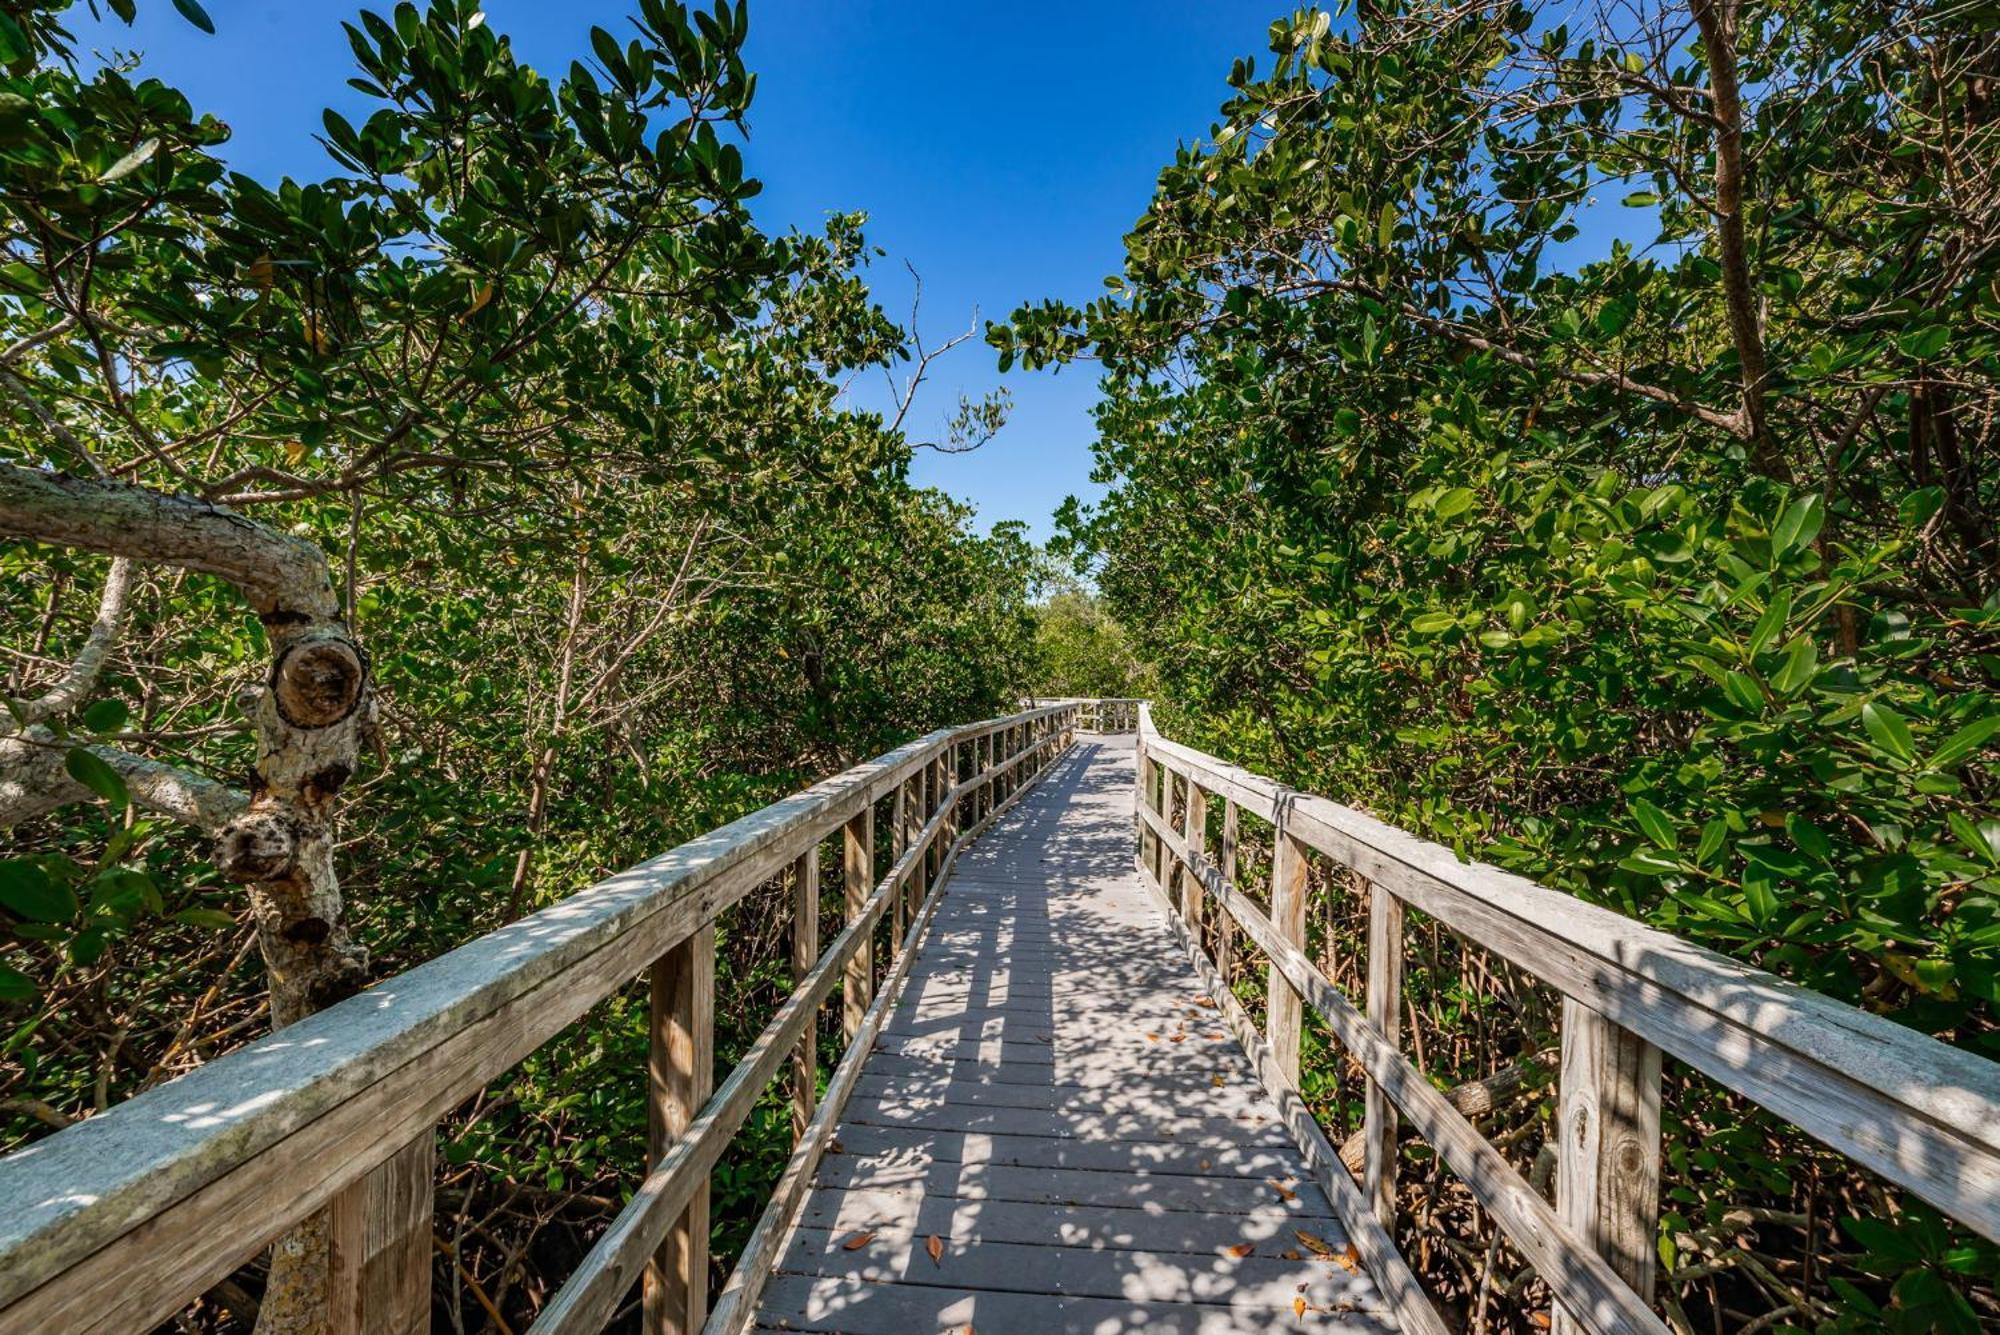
<point>317,679</point>
<point>260,845</point>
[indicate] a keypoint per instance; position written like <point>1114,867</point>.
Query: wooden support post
<point>899,836</point>
<point>1194,833</point>
<point>381,1236</point>
<point>1225,925</point>
<point>1385,1010</point>
<point>682,1076</point>
<point>859,982</point>
<point>1283,1013</point>
<point>805,953</point>
<point>1608,1146</point>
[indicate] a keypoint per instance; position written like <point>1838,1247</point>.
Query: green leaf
<point>1923,344</point>
<point>1798,667</point>
<point>89,769</point>
<point>1659,827</point>
<point>1454,502</point>
<point>1639,199</point>
<point>1770,624</point>
<point>214,919</point>
<point>14,48</point>
<point>1798,525</point>
<point>1965,741</point>
<point>15,985</point>
<point>1433,623</point>
<point>87,948</point>
<point>1385,226</point>
<point>196,15</point>
<point>106,716</point>
<point>27,890</point>
<point>130,163</point>
<point>1890,732</point>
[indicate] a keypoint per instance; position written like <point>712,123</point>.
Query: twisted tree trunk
<point>312,714</point>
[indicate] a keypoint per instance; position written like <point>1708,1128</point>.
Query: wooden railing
<point>1110,714</point>
<point>116,1223</point>
<point>1923,1115</point>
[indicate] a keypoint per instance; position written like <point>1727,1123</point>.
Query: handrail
<point>115,1223</point>
<point>1922,1114</point>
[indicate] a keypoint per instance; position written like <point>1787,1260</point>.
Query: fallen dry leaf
<point>1288,1256</point>
<point>936,1248</point>
<point>1209,1002</point>
<point>1314,1242</point>
<point>1152,1038</point>
<point>1299,1306</point>
<point>1285,1193</point>
<point>1177,1038</point>
<point>857,1242</point>
<point>1350,1259</point>
<point>1204,1165</point>
<point>1540,1319</point>
<point>835,1147</point>
<point>1241,1249</point>
<point>1215,1080</point>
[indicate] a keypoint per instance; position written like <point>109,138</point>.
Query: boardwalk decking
<point>1052,1102</point>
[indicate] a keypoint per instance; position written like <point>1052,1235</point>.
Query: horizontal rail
<point>116,1222</point>
<point>1922,1114</point>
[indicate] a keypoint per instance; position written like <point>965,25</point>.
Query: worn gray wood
<point>113,1223</point>
<point>1608,1146</point>
<point>1385,1012</point>
<point>680,1077</point>
<point>1919,1112</point>
<point>805,951</point>
<point>381,1233</point>
<point>1056,1097</point>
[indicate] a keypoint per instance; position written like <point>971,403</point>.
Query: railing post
<point>1194,834</point>
<point>899,837</point>
<point>858,987</point>
<point>1608,1146</point>
<point>682,1076</point>
<point>1385,1009</point>
<point>1225,924</point>
<point>1283,1013</point>
<point>381,1246</point>
<point>805,954</point>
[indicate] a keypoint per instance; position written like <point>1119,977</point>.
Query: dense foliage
<point>1080,649</point>
<point>1575,434</point>
<point>569,432</point>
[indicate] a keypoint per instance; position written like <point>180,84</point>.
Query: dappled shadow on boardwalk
<point>1053,1102</point>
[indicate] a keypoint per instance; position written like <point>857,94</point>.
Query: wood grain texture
<point>1051,1070</point>
<point>805,951</point>
<point>382,1246</point>
<point>1283,1015</point>
<point>114,1223</point>
<point>1919,1112</point>
<point>680,1077</point>
<point>1608,1146</point>
<point>1385,1012</point>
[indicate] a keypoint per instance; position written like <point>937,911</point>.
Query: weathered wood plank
<point>805,950</point>
<point>1920,1113</point>
<point>1385,1012</point>
<point>1283,1015</point>
<point>680,1075</point>
<point>381,1235</point>
<point>1608,1146</point>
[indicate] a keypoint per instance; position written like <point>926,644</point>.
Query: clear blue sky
<point>1001,148</point>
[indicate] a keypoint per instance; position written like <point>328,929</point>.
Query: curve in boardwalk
<point>1053,1102</point>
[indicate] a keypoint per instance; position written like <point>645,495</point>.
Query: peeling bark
<point>312,715</point>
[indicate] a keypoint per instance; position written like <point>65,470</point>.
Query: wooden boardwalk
<point>1055,1101</point>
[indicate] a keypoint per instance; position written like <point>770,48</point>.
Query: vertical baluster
<point>682,1075</point>
<point>1608,1146</point>
<point>805,954</point>
<point>858,986</point>
<point>899,835</point>
<point>1194,833</point>
<point>381,1241</point>
<point>1225,923</point>
<point>1385,1010</point>
<point>1288,915</point>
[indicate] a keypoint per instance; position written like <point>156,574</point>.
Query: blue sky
<point>1000,148</point>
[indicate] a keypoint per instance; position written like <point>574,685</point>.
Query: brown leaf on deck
<point>1300,1307</point>
<point>1241,1249</point>
<point>1314,1242</point>
<point>1285,1193</point>
<point>936,1248</point>
<point>857,1242</point>
<point>1350,1259</point>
